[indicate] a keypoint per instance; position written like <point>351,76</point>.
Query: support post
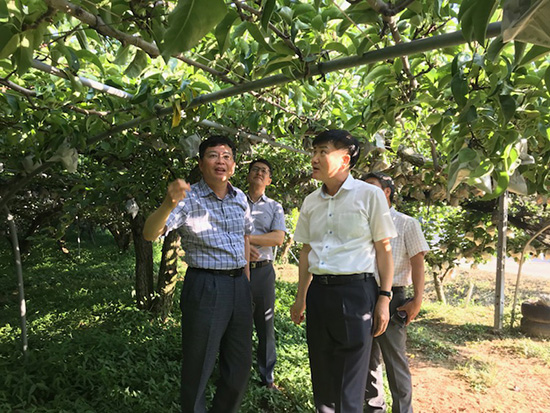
<point>19,271</point>
<point>501,257</point>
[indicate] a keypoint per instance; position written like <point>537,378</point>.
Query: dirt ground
<point>514,383</point>
<point>509,382</point>
<point>520,385</point>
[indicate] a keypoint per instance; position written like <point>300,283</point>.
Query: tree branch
<point>24,91</point>
<point>101,27</point>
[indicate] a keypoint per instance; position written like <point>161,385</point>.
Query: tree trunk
<point>168,274</point>
<point>121,236</point>
<point>144,264</point>
<point>438,285</point>
<point>285,248</point>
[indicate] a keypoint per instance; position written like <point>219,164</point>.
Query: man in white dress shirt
<point>345,227</point>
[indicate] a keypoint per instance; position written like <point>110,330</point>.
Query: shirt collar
<point>204,190</point>
<point>347,185</point>
<point>261,198</point>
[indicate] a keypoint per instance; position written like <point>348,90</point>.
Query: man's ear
<point>387,192</point>
<point>346,159</point>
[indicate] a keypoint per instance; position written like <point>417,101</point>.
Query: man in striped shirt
<point>213,220</point>
<point>408,250</point>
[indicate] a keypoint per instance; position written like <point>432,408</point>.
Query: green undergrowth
<point>91,350</point>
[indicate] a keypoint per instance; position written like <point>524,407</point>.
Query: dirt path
<point>515,384</point>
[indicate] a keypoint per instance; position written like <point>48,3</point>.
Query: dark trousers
<point>392,347</point>
<point>339,336</point>
<point>216,319</point>
<point>262,285</point>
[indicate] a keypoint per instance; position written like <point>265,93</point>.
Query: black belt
<point>259,264</point>
<point>340,279</point>
<point>236,272</point>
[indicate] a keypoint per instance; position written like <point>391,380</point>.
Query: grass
<point>91,350</point>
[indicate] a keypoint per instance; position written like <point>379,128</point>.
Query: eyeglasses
<point>255,169</point>
<point>215,155</point>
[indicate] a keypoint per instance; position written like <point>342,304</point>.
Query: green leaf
<point>137,65</point>
<point>143,93</point>
<point>267,10</point>
<point>122,55</point>
<point>534,53</point>
<point>508,107</point>
<point>494,49</point>
<point>459,88</point>
<point>547,79</point>
<point>481,15</point>
<point>273,67</point>
<point>376,74</point>
<point>7,33</point>
<point>353,122</point>
<point>8,42</point>
<point>82,39</point>
<point>4,12</point>
<point>259,36</point>
<point>437,132</point>
<point>223,31</point>
<point>13,102</point>
<point>189,22</point>
<point>433,119</point>
<point>337,47</point>
<point>519,51</point>
<point>318,24</point>
<point>465,17</point>
<point>23,54</point>
<point>502,180</point>
<point>91,57</point>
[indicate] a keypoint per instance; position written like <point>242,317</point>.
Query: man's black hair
<point>385,181</point>
<point>216,140</point>
<point>341,139</point>
<point>261,160</point>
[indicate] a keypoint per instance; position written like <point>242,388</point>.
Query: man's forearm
<point>155,223</point>
<point>304,276</point>
<point>384,261</point>
<point>247,255</point>
<point>418,277</point>
<point>270,239</point>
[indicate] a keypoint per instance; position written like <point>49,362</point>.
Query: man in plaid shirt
<point>408,251</point>
<point>213,219</point>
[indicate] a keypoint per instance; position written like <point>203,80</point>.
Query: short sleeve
<point>302,233</point>
<point>176,217</point>
<point>380,220</point>
<point>414,238</point>
<point>248,223</point>
<point>278,223</point>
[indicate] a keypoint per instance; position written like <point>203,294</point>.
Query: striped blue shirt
<point>212,230</point>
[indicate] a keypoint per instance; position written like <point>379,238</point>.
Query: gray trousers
<point>216,319</point>
<point>262,285</point>
<point>392,347</point>
<point>339,338</point>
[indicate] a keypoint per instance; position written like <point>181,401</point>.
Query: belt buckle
<point>323,279</point>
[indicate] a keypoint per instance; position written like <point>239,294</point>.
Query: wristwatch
<point>388,294</point>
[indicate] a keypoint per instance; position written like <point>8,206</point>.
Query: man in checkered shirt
<point>214,222</point>
<point>408,251</point>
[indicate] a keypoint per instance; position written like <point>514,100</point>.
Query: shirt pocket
<point>199,222</point>
<point>352,225</point>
